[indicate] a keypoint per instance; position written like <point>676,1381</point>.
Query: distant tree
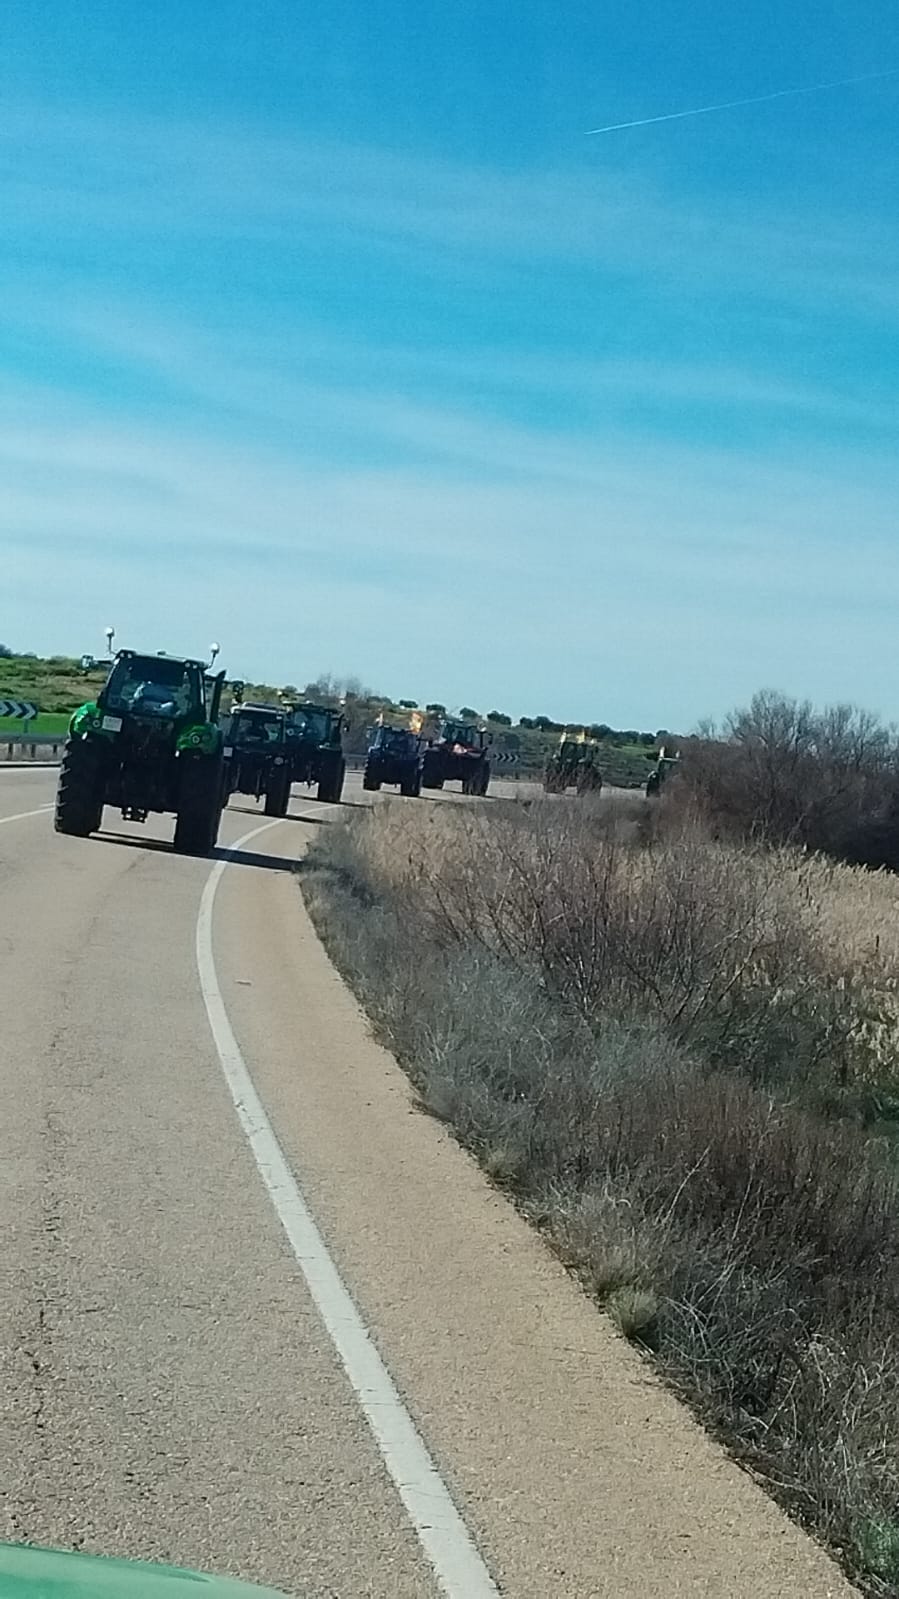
<point>647,738</point>
<point>662,734</point>
<point>436,709</point>
<point>291,689</point>
<point>322,688</point>
<point>408,705</point>
<point>527,722</point>
<point>328,687</point>
<point>468,714</point>
<point>500,717</point>
<point>6,653</point>
<point>599,730</point>
<point>547,725</point>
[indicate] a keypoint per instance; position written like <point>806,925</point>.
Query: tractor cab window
<point>257,730</point>
<point>312,725</point>
<point>153,686</point>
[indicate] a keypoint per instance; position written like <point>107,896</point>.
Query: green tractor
<point>258,758</point>
<point>575,764</point>
<point>149,742</point>
<point>314,746</point>
<point>665,764</point>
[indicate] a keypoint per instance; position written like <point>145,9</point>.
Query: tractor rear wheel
<point>79,792</point>
<point>330,784</point>
<point>370,781</point>
<point>277,791</point>
<point>199,804</point>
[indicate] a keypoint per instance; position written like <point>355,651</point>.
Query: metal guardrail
<point>31,746</point>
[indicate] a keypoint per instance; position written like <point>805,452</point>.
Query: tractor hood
<point>30,1573</point>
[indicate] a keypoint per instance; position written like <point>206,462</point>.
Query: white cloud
<point>613,577</point>
<point>144,176</point>
<point>364,503</point>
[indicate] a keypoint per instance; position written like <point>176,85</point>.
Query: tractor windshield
<point>248,729</point>
<point>396,740</point>
<point>150,685</point>
<point>312,725</point>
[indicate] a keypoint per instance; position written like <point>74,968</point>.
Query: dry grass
<point>637,1039</point>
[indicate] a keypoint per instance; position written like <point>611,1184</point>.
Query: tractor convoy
<point>155,739</point>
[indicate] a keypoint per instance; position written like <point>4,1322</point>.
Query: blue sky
<point>326,332</point>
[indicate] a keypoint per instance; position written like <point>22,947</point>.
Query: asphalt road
<point>297,1339</point>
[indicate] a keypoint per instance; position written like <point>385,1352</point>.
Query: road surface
<point>179,1386</point>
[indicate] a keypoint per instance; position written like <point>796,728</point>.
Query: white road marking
<point>23,815</point>
<point>459,1570</point>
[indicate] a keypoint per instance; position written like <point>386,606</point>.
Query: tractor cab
<point>161,687</point>
<point>314,724</point>
<point>396,742</point>
<point>465,735</point>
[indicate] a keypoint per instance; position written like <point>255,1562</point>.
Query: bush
<point>785,773</point>
<point>628,1036</point>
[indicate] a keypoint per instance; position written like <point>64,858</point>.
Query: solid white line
<point>21,817</point>
<point>458,1568</point>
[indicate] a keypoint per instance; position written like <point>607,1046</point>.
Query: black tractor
<point>313,736</point>
<point>459,753</point>
<point>395,756</point>
<point>258,759</point>
<point>149,742</point>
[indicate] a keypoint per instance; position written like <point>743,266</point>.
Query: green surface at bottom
<point>30,1573</point>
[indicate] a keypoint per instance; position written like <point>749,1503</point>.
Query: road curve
<point>172,1388</point>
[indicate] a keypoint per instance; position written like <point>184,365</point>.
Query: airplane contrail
<point>754,99</point>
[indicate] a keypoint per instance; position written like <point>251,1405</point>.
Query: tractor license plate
<point>112,724</point>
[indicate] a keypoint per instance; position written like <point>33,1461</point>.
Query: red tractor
<point>459,754</point>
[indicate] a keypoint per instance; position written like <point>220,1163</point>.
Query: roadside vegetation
<point>674,1045</point>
